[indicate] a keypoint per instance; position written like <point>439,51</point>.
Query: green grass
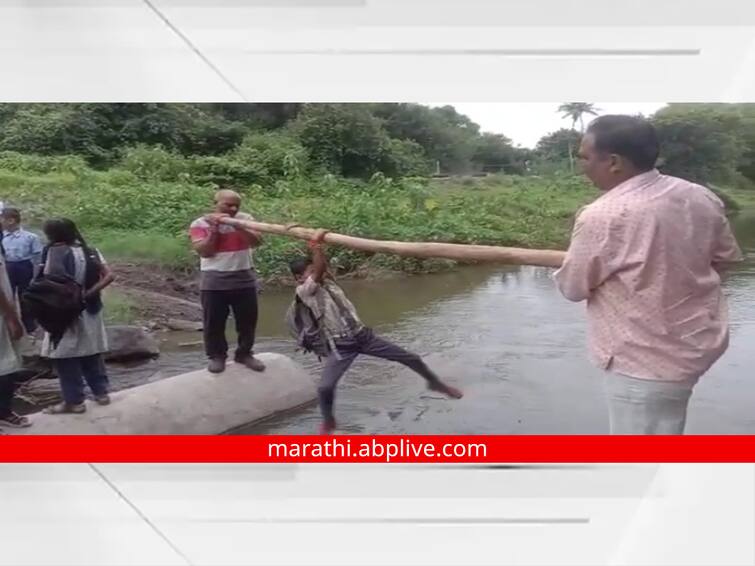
<point>744,198</point>
<point>42,196</point>
<point>137,217</point>
<point>119,307</point>
<point>139,220</point>
<point>149,247</point>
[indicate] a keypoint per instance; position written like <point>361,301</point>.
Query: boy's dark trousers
<point>364,342</point>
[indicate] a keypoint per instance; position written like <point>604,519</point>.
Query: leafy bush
<point>261,159</point>
<point>154,163</point>
<point>403,158</point>
<point>167,207</point>
<point>98,132</point>
<point>346,139</point>
<point>31,163</point>
<point>280,155</point>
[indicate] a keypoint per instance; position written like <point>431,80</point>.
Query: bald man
<point>228,281</point>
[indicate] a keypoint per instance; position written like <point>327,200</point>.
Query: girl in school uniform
<point>78,356</point>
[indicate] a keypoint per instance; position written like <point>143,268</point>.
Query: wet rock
<point>184,325</point>
<point>32,359</point>
<point>127,343</point>
<point>39,392</point>
<point>130,343</point>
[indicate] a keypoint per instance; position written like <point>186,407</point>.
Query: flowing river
<point>507,338</point>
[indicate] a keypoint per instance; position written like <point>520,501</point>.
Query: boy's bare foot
<point>328,426</point>
<point>447,390</point>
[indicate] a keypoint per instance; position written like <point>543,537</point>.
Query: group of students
<point>75,345</point>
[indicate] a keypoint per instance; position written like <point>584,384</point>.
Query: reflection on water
<point>504,335</point>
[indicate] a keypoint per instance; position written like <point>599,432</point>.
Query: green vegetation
<point>709,143</point>
<point>135,175</point>
<point>146,246</point>
<point>119,308</point>
<point>743,199</point>
<point>132,212</point>
<point>353,140</point>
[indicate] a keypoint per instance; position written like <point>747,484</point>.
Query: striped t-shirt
<point>232,266</point>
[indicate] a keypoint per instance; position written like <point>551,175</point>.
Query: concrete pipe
<point>192,403</point>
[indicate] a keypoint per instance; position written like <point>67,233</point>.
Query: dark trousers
<point>365,342</point>
<point>217,306</point>
<point>8,385</point>
<point>20,274</point>
<point>73,371</point>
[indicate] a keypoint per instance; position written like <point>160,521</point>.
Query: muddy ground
<point>158,295</point>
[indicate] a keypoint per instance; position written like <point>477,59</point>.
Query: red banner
<point>378,449</point>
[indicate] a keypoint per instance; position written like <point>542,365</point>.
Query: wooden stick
<point>457,252</point>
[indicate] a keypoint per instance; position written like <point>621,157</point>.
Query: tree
<point>187,128</point>
<point>554,150</point>
<point>51,129</point>
<point>404,158</point>
<point>98,132</point>
<point>739,118</point>
<point>445,135</point>
<point>347,139</point>
<point>495,153</point>
<point>268,116</point>
<point>576,111</point>
<point>704,143</point>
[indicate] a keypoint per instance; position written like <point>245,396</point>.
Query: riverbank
<point>156,295</point>
<point>133,219</point>
<point>161,298</point>
<point>139,220</point>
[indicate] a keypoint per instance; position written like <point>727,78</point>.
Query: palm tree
<point>576,111</point>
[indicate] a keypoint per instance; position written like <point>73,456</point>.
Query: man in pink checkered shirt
<point>647,256</point>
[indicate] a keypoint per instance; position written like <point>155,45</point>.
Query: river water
<point>507,338</point>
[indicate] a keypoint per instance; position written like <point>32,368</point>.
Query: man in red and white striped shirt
<point>228,282</point>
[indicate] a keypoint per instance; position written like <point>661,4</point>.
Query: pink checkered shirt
<point>645,256</point>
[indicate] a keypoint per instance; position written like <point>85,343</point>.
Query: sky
<point>525,123</point>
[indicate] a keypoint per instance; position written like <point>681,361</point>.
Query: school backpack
<point>55,301</point>
<point>305,328</point>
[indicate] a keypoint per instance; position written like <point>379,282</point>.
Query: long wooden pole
<point>457,252</point>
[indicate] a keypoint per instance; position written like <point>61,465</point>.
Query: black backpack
<point>55,301</point>
<point>305,328</point>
